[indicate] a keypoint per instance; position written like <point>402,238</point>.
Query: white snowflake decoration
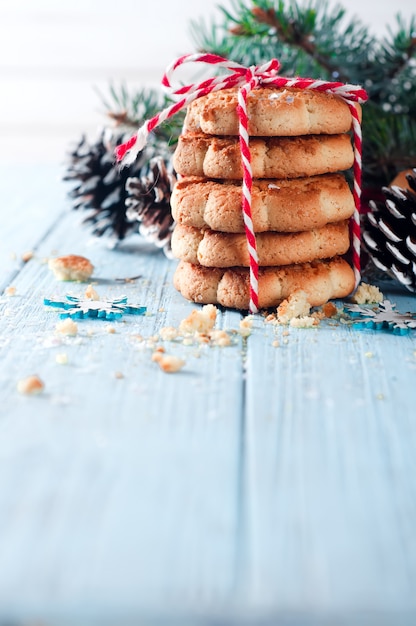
<point>78,308</point>
<point>384,317</point>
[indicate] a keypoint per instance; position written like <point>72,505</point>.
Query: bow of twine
<point>246,79</point>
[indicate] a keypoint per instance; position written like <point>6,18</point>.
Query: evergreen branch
<point>130,109</point>
<point>308,40</point>
<point>402,47</point>
<point>292,35</point>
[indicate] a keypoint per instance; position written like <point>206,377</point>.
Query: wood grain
<point>259,485</point>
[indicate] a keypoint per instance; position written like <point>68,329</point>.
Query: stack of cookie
<point>301,201</point>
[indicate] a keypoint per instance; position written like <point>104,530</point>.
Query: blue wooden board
<point>259,485</point>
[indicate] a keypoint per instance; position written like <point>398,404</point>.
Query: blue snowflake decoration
<point>79,308</point>
<point>384,316</point>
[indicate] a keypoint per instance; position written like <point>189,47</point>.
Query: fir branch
<point>315,40</point>
<point>308,40</point>
<point>291,34</point>
<point>129,109</point>
<point>402,47</point>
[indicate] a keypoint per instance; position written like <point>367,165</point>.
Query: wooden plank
<point>330,484</point>
<point>117,496</point>
<point>253,486</point>
<point>32,200</point>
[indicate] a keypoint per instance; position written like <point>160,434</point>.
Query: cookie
<point>71,267</point>
<point>214,249</point>
<point>321,280</point>
<point>271,112</point>
<point>279,205</point>
<point>273,157</point>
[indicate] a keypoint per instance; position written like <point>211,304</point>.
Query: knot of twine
<point>247,79</point>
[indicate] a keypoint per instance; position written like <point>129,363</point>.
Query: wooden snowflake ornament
<point>79,308</point>
<point>384,316</point>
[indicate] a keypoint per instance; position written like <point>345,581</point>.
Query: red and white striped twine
<point>247,79</point>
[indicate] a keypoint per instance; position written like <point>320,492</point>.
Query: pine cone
<point>389,232</point>
<point>148,202</point>
<point>99,183</point>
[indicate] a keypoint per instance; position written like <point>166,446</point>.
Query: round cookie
<point>271,112</point>
<point>321,280</point>
<point>271,157</point>
<point>214,249</point>
<point>279,205</point>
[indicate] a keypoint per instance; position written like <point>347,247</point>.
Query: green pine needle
<point>315,40</point>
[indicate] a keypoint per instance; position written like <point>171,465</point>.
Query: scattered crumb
<point>220,338</point>
<point>27,256</point>
<point>318,315</point>
<point>10,291</point>
<point>198,327</point>
<point>329,309</point>
<point>369,355</point>
<point>367,294</point>
<point>201,321</point>
<point>71,267</point>
<point>307,321</point>
<point>168,333</point>
<point>246,325</point>
<point>285,333</point>
<point>168,363</point>
<point>91,294</point>
<point>30,385</point>
<point>61,358</point>
<point>276,343</point>
<point>296,305</point>
<point>67,327</point>
<point>270,319</point>
<point>118,375</point>
<point>160,349</point>
<point>110,329</point>
<point>202,337</point>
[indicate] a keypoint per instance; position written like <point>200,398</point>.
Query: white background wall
<point>53,53</point>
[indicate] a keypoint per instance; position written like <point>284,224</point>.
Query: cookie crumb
<point>110,329</point>
<point>329,309</point>
<point>246,326</point>
<point>296,305</point>
<point>367,294</point>
<point>168,333</point>
<point>118,375</point>
<point>61,358</point>
<point>200,321</point>
<point>67,327</point>
<point>91,294</point>
<point>30,385</point>
<point>10,291</point>
<point>27,256</point>
<point>167,362</point>
<point>71,267</point>
<point>220,338</point>
<point>307,321</point>
<point>276,343</point>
